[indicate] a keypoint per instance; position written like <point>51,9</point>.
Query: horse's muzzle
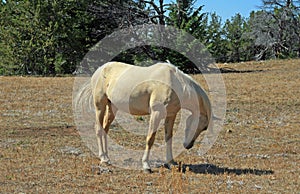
<point>188,146</point>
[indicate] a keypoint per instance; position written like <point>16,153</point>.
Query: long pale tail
<point>83,102</point>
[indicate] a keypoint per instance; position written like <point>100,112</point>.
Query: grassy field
<point>258,150</point>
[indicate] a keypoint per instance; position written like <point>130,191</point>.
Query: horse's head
<point>194,126</point>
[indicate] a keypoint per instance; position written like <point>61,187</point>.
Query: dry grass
<point>258,150</point>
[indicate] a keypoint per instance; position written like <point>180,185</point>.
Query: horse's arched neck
<point>192,101</point>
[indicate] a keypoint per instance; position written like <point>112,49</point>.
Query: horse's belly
<point>139,105</point>
<point>133,104</point>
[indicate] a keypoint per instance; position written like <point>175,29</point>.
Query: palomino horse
<point>160,91</point>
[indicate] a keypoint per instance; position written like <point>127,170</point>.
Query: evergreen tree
<point>181,15</point>
<point>215,41</point>
<point>185,16</point>
<point>235,40</point>
<point>42,37</point>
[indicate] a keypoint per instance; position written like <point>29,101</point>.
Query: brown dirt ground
<point>258,150</point>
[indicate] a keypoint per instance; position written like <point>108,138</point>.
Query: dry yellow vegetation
<point>258,150</point>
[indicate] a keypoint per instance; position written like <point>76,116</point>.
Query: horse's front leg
<point>157,114</point>
<point>149,143</point>
<point>169,124</point>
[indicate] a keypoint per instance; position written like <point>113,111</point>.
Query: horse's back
<point>113,71</point>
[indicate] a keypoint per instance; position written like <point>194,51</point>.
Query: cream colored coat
<point>160,90</point>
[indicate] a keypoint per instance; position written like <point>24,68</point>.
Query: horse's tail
<point>83,101</point>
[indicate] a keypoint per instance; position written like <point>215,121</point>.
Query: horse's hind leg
<point>108,119</point>
<point>100,107</point>
<point>100,133</point>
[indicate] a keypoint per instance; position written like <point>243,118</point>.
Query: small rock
<point>258,186</point>
<point>52,160</point>
<point>229,131</point>
<point>229,184</point>
<point>281,155</point>
<point>70,150</point>
<point>262,156</point>
<point>100,170</point>
<point>240,183</point>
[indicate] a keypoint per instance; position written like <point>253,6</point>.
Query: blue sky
<point>228,8</point>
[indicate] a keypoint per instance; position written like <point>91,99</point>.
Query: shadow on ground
<point>223,70</point>
<point>213,169</point>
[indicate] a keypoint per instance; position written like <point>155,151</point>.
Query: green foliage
<point>215,41</point>
<point>184,16</point>
<point>236,43</point>
<point>190,21</point>
<point>52,37</point>
<point>43,37</point>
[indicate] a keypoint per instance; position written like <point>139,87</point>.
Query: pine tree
<point>235,42</point>
<point>214,40</point>
<point>42,37</point>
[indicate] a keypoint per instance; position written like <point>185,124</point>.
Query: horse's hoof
<point>148,171</point>
<point>106,162</point>
<point>173,163</point>
<point>170,164</point>
<point>167,166</point>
